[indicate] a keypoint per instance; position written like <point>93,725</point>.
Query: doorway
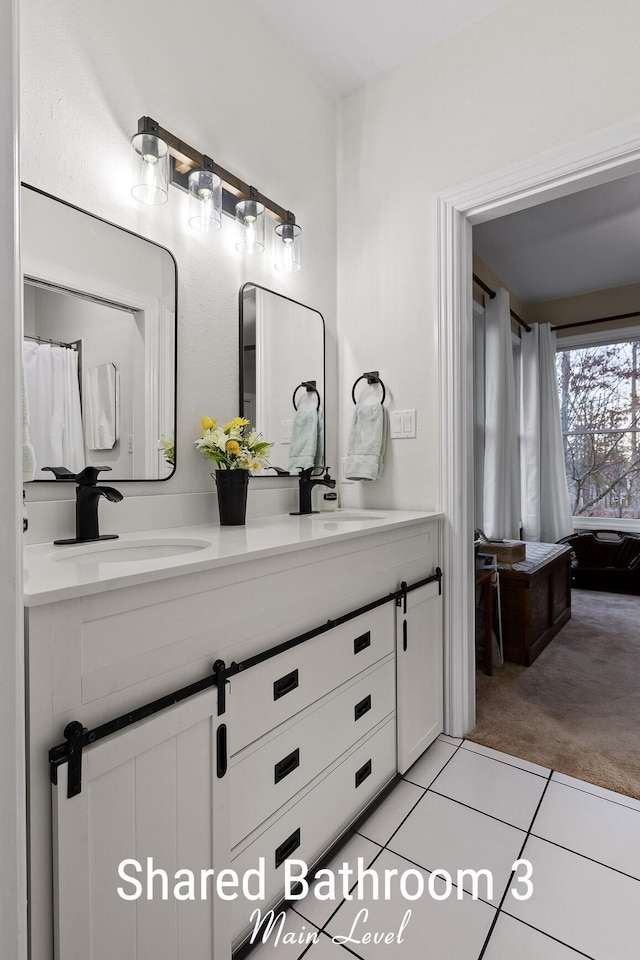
<point>612,155</point>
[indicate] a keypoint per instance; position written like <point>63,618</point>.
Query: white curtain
<point>545,495</point>
<point>53,391</point>
<point>501,476</point>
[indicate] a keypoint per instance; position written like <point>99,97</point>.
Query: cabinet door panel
<point>149,791</point>
<point>419,678</point>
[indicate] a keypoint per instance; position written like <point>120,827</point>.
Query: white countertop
<point>51,573</point>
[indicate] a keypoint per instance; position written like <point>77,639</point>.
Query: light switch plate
<point>285,431</point>
<point>402,424</point>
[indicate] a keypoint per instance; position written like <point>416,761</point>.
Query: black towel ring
<point>372,377</point>
<point>310,386</point>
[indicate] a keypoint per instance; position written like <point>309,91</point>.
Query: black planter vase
<point>232,495</point>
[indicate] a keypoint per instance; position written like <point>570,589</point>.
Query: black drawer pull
<point>361,643</point>
<point>287,765</point>
<point>361,708</point>
<point>285,849</point>
<point>363,773</point>
<point>285,685</point>
<point>404,635</point>
<point>221,752</point>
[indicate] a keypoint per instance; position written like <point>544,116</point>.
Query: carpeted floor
<point>577,708</point>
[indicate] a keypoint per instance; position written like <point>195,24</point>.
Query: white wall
<point>531,77</point>
<point>13,897</point>
<point>213,75</point>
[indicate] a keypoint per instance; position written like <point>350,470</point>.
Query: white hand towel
<point>100,407</point>
<point>367,441</point>
<point>304,439</point>
<point>28,453</point>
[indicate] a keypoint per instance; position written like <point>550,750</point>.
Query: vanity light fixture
<point>205,199</point>
<point>161,158</point>
<point>250,220</point>
<point>288,255</point>
<point>150,168</point>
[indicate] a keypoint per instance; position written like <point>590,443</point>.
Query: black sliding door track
<point>78,737</point>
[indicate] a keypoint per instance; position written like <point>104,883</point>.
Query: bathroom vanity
<point>294,667</point>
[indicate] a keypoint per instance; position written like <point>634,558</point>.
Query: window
<point>600,411</point>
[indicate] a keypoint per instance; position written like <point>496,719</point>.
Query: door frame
<point>609,155</point>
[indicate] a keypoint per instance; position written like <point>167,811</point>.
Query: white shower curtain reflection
<point>545,495</point>
<point>51,374</point>
<point>501,487</point>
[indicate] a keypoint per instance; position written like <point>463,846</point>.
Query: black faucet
<point>307,483</point>
<point>88,494</point>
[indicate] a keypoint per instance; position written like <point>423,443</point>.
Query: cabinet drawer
<point>313,824</point>
<point>273,691</point>
<point>276,770</point>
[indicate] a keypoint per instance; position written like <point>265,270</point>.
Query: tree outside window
<point>600,412</point>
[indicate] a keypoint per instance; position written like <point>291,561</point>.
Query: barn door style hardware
<point>78,737</point>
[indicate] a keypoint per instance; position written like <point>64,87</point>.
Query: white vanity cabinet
<point>332,684</point>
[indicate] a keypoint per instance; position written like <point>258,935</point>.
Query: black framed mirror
<point>100,343</point>
<point>282,377</point>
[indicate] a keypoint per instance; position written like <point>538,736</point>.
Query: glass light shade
<point>205,200</point>
<point>149,168</point>
<point>250,219</point>
<point>288,249</point>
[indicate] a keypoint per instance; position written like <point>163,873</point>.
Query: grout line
<point>578,953</point>
<point>344,947</point>
<point>405,777</point>
<point>351,889</point>
<point>483,813</point>
<point>507,763</point>
<point>598,796</point>
<point>584,856</point>
<point>425,789</point>
<point>511,875</point>
<point>427,870</point>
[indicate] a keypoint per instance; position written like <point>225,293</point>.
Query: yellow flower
<point>236,422</point>
<point>207,423</point>
<point>233,447</point>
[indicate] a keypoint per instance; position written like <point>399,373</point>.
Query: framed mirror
<point>100,316</point>
<point>282,377</point>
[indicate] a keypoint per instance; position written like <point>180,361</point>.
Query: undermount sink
<point>129,551</point>
<point>348,517</point>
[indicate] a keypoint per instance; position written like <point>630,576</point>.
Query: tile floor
<point>464,807</point>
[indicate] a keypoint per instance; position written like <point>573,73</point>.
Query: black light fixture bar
<point>185,159</point>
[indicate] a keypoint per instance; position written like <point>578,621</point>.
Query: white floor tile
<point>513,940</point>
<point>440,833</point>
<point>498,789</point>
<point>589,907</point>
<point>445,738</point>
<point>326,949</point>
<point>596,791</point>
<point>506,758</point>
<point>587,824</point>
<point>426,769</point>
<point>386,819</point>
<point>319,911</point>
<point>279,945</point>
<point>451,928</point>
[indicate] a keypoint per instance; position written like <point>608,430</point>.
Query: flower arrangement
<point>230,447</point>
<point>167,445</point>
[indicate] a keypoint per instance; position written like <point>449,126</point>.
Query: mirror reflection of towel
<point>367,442</point>
<point>99,407</point>
<point>304,439</point>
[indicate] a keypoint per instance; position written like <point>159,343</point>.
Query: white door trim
<point>606,156</point>
<point>13,897</point>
